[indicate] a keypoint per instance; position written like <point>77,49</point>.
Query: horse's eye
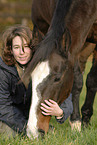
<point>56,79</point>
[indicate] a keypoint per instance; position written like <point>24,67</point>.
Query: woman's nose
<point>22,50</point>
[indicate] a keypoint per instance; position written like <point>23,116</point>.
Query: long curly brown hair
<point>9,34</point>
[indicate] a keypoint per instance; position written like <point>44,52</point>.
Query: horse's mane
<point>52,38</point>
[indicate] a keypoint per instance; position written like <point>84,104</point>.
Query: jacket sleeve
<point>9,113</point>
<point>67,108</point>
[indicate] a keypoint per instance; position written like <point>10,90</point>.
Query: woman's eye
<point>26,46</point>
<point>16,47</point>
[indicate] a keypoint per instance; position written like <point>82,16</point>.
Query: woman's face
<point>21,52</point>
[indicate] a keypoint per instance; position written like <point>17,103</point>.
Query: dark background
<point>14,12</point>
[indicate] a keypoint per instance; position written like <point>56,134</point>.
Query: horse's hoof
<point>85,124</point>
<point>75,125</point>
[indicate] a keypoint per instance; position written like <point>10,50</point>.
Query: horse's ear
<point>66,40</point>
<point>37,37</point>
<point>65,44</point>
<point>37,34</point>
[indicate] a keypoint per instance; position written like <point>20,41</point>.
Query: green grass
<point>62,135</point>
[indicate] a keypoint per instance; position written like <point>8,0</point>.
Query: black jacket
<point>14,98</point>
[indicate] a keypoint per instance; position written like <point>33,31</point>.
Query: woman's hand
<point>51,108</point>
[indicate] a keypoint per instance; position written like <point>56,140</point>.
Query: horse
<point>66,25</point>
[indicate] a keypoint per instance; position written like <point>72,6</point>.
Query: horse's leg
<point>75,120</point>
<point>78,82</point>
<point>91,84</point>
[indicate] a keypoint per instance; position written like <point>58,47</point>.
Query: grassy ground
<point>62,135</point>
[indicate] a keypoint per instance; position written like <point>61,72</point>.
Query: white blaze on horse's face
<point>41,71</point>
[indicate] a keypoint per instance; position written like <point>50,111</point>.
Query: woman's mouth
<point>22,58</point>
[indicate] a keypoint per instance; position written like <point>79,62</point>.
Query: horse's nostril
<point>42,132</point>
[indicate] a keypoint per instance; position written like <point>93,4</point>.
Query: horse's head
<point>51,79</point>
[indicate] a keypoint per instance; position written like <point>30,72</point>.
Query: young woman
<point>15,98</point>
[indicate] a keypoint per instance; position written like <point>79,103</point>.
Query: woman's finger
<point>45,109</point>
<point>45,106</point>
<point>44,113</point>
<point>48,103</point>
<point>52,101</point>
